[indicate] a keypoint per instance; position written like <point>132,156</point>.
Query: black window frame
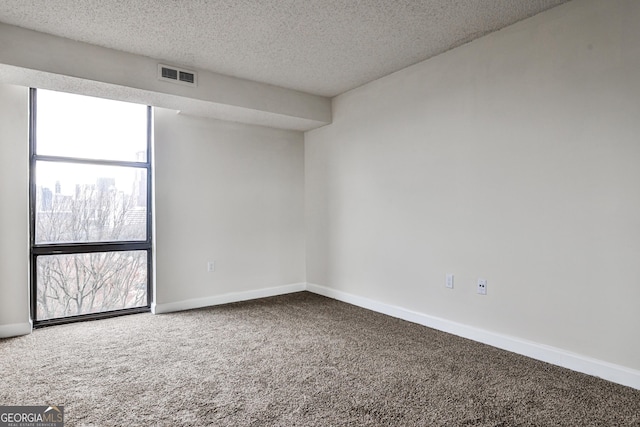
<point>40,249</point>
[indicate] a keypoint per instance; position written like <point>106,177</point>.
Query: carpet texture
<point>294,360</point>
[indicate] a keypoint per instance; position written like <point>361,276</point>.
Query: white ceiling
<point>323,47</point>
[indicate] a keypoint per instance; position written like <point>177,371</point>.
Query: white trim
<point>556,356</point>
<point>226,298</point>
<point>15,329</point>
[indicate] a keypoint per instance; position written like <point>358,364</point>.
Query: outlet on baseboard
<point>482,286</point>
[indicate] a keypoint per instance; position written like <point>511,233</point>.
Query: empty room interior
<point>470,169</point>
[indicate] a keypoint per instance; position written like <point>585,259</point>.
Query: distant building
<point>105,184</point>
<point>47,199</point>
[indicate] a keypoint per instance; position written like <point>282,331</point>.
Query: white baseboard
<point>226,298</point>
<point>556,356</point>
<point>15,329</point>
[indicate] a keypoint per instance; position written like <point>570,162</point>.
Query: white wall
<point>231,193</point>
<point>14,211</point>
<point>514,158</point>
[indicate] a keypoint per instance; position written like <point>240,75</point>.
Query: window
<point>90,207</point>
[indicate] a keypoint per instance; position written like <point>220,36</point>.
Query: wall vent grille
<point>177,75</point>
<point>186,77</point>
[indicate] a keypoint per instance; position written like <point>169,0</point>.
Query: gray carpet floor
<point>294,360</point>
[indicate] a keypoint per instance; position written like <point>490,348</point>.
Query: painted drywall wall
<point>31,58</point>
<point>228,193</point>
<point>513,158</point>
<point>14,211</point>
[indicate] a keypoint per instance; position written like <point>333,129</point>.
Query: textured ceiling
<point>323,47</point>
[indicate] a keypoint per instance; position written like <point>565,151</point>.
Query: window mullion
<point>78,160</point>
<point>76,248</point>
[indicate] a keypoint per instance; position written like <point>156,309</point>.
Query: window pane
<point>92,128</point>
<point>89,203</point>
<point>71,285</point>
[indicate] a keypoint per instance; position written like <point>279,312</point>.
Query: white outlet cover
<point>449,281</point>
<point>482,286</point>
<point>211,266</point>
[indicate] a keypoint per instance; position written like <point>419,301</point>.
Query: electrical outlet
<point>482,286</point>
<point>211,266</point>
<point>449,281</point>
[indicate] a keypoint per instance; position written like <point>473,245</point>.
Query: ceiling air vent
<point>177,75</point>
<point>187,77</point>
<point>169,73</point>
